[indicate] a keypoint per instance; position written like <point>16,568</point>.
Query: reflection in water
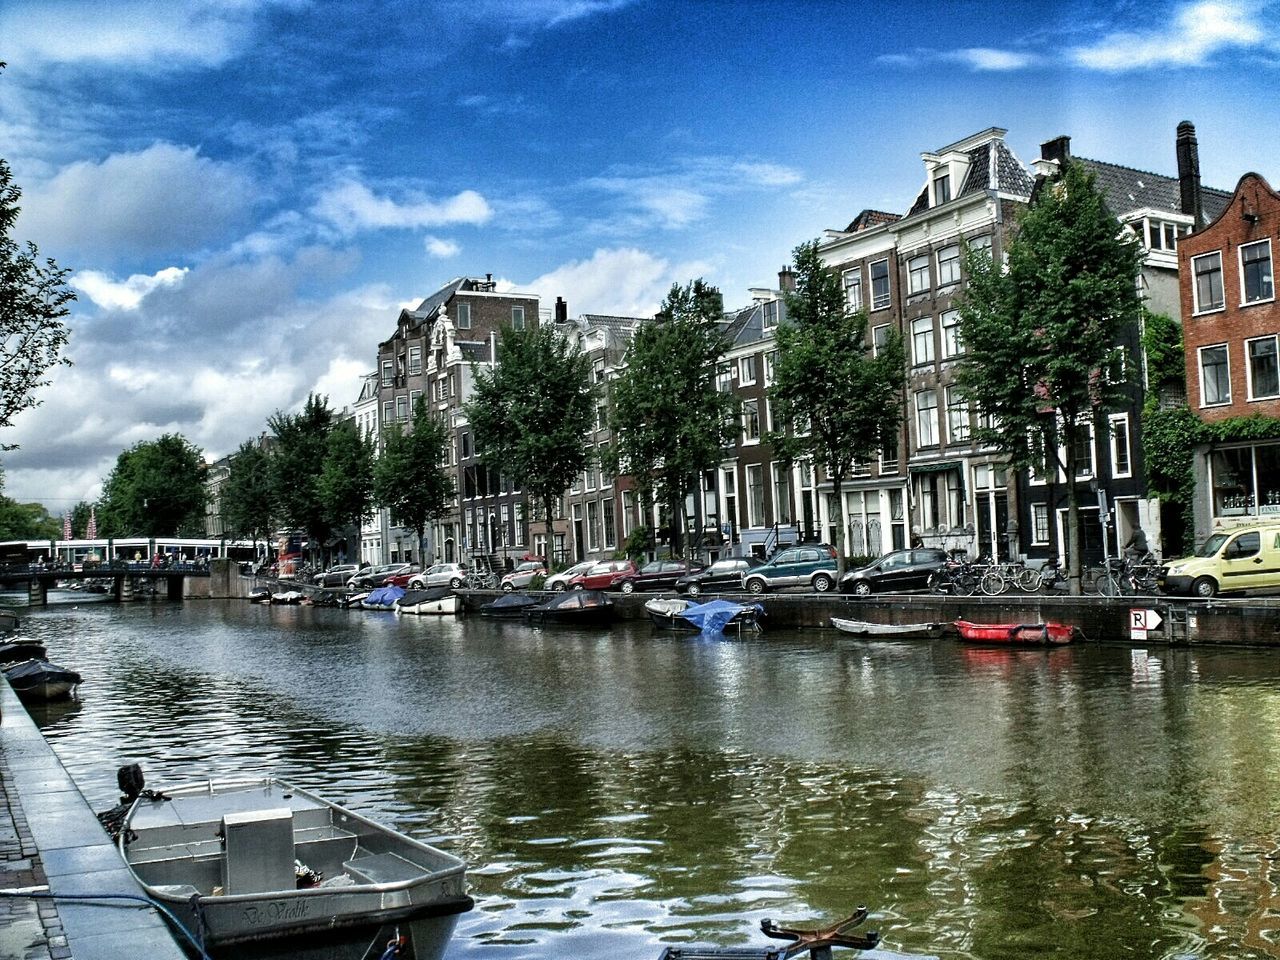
<point>615,790</point>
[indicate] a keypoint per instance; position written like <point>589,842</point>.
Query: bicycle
<point>487,580</point>
<point>956,577</point>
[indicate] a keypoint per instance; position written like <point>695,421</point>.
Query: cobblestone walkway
<point>29,929</point>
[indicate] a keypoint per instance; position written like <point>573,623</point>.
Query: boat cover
<point>572,600</point>
<point>32,672</point>
<point>384,598</point>
<point>21,650</point>
<point>667,606</point>
<point>511,603</point>
<point>430,594</point>
<point>710,617</point>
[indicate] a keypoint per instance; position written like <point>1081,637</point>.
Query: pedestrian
<point>1136,547</point>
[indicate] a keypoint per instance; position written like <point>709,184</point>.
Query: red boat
<point>1026,634</point>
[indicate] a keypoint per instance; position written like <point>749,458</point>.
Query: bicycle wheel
<point>939,582</point>
<point>1029,580</point>
<point>1106,584</point>
<point>992,584</point>
<point>966,584</point>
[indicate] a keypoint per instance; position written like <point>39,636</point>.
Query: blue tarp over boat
<point>710,617</point>
<point>384,598</point>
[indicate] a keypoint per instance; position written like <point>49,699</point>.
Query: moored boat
<point>252,864</point>
<point>1023,634</point>
<point>509,605</point>
<point>383,598</point>
<point>259,595</point>
<point>39,680</point>
<point>437,600</point>
<point>587,607</point>
<point>287,597</point>
<point>15,651</point>
<point>903,631</point>
<point>8,619</point>
<point>714,616</point>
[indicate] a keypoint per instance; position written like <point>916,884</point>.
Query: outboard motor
<point>130,780</point>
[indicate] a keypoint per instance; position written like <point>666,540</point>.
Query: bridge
<point>124,575</point>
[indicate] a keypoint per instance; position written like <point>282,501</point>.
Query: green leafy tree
<point>157,489</point>
<point>408,478</point>
<point>33,302</point>
<point>837,402</point>
<point>80,515</point>
<point>345,484</point>
<point>247,494</point>
<point>1040,335</point>
<point>670,422</point>
<point>26,521</point>
<point>533,412</point>
<point>297,460</point>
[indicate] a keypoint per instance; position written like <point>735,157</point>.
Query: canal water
<point>616,790</point>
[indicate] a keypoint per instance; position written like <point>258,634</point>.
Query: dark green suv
<point>810,565</point>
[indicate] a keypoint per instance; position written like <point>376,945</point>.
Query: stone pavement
<point>50,836</point>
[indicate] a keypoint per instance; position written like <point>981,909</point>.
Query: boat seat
<point>383,868</point>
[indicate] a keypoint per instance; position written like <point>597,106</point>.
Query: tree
<point>26,521</point>
<point>345,483</point>
<point>408,478</point>
<point>157,489</point>
<point>670,422</point>
<point>1040,336</point>
<point>532,414</point>
<point>80,515</point>
<point>837,402</point>
<point>247,499</point>
<point>33,303</point>
<point>302,442</point>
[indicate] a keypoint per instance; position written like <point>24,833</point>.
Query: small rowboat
<point>1024,634</point>
<point>903,631</point>
<point>40,680</point>
<point>435,601</point>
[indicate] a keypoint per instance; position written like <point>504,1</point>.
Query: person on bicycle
<point>1136,548</point>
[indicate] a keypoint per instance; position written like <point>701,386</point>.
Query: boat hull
<point>440,607</point>
<point>1016,634</point>
<point>40,680</point>
<point>903,631</point>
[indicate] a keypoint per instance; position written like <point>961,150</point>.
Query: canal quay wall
<point>52,846</point>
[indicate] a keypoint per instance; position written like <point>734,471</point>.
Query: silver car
<point>439,575</point>
<point>560,581</point>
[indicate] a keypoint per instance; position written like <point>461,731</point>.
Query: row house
<point>375,532</point>
<point>1231,335</point>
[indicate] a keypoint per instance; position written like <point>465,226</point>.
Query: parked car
<point>605,575</point>
<point>657,575</point>
<point>523,575</point>
<point>811,565</point>
<point>377,576</point>
<point>724,574</point>
<point>1243,558</point>
<point>560,581</point>
<point>400,580</point>
<point>895,572</point>
<point>439,575</point>
<point>338,575</point>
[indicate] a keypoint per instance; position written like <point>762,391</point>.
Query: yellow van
<point>1242,558</point>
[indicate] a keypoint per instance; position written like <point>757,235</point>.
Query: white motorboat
<point>256,864</point>
<point>437,600</point>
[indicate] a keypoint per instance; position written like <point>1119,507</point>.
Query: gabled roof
<point>871,218</point>
<point>992,166</point>
<point>429,307</point>
<point>1125,189</point>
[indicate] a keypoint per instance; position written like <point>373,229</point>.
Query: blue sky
<point>248,190</point>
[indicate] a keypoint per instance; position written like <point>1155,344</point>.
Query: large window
<point>1264,375</point>
<point>951,344</point>
<point>747,370</point>
<point>781,493</point>
<point>922,340</point>
<point>462,312</point>
<point>1215,376</point>
<point>750,421</point>
<point>388,377</point>
<point>755,495</point>
<point>1039,523</point>
<point>1246,481</point>
<point>729,484</point>
<point>949,265</point>
<point>957,416</point>
<point>879,338</point>
<point>415,361</point>
<point>927,418</point>
<point>606,506</point>
<point>941,189</point>
<point>517,318</point>
<point>1208,282</point>
<point>1255,272</point>
<point>772,312</point>
<point>918,273</point>
<point>1121,452</point>
<point>853,288</point>
<point>879,284</point>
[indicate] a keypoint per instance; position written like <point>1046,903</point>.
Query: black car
<point>722,575</point>
<point>371,578</point>
<point>656,575</point>
<point>895,572</point>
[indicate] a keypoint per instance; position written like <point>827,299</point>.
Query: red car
<point>605,575</point>
<point>658,575</point>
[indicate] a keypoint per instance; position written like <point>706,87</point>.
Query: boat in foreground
<point>436,600</point>
<point>1022,634</point>
<point>261,864</point>
<point>509,605</point>
<point>586,607</point>
<point>900,631</point>
<point>714,616</point>
<point>37,680</point>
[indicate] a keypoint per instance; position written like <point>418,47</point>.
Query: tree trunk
<point>674,523</point>
<point>1074,551</point>
<point>842,548</point>
<point>550,558</point>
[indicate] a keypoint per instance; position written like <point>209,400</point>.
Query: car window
<point>895,560</point>
<point>1245,545</point>
<point>810,556</point>
<point>787,556</point>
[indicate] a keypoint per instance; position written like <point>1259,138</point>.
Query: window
<point>772,310</point>
<point>413,399</point>
<point>750,421</point>
<point>1084,452</point>
<point>922,340</point>
<point>1161,235</point>
<point>415,361</point>
<point>927,418</point>
<point>1207,269</point>
<point>770,364</point>
<point>981,245</point>
<point>1255,272</point>
<point>729,484</point>
<point>388,411</point>
<point>1264,374</point>
<point>606,506</point>
<point>781,494</point>
<point>463,314</point>
<point>941,189</point>
<point>918,273</point>
<point>746,370</point>
<point>593,525</point>
<point>1215,376</point>
<point>879,284</point>
<point>387,376</point>
<point>724,377</point>
<point>466,445</point>
<point>597,370</point>
<point>879,337</point>
<point>951,344</point>
<point>949,265</point>
<point>402,407</point>
<point>853,288</point>
<point>1121,453</point>
<point>755,495</point>
<point>1039,523</point>
<point>957,416</point>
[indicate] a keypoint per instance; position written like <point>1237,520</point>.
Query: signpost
<point>1141,620</point>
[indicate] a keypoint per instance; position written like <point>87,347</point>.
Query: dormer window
<point>941,189</point>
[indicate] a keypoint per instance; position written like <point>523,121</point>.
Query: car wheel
<point>506,588</point>
<point>823,583</point>
<point>1205,588</point>
<point>694,589</point>
<point>628,586</point>
<point>562,586</point>
<point>862,588</point>
<point>577,586</point>
<point>455,583</point>
<point>755,586</point>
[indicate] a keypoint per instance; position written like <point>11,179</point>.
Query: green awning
<point>939,466</point>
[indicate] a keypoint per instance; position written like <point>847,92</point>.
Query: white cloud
<point>438,247</point>
<point>987,59</point>
<point>168,35</point>
<point>1194,35</point>
<point>127,294</point>
<point>350,206</point>
<point>625,282</point>
<point>533,13</point>
<point>161,199</point>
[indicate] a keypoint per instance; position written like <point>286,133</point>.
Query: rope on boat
<point>35,894</point>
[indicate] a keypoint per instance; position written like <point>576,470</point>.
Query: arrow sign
<point>1143,619</point>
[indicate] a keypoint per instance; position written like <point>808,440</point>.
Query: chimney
<point>562,310</point>
<point>1189,173</point>
<point>1059,148</point>
<point>786,279</point>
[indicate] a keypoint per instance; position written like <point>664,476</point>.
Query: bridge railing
<point>105,568</point>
